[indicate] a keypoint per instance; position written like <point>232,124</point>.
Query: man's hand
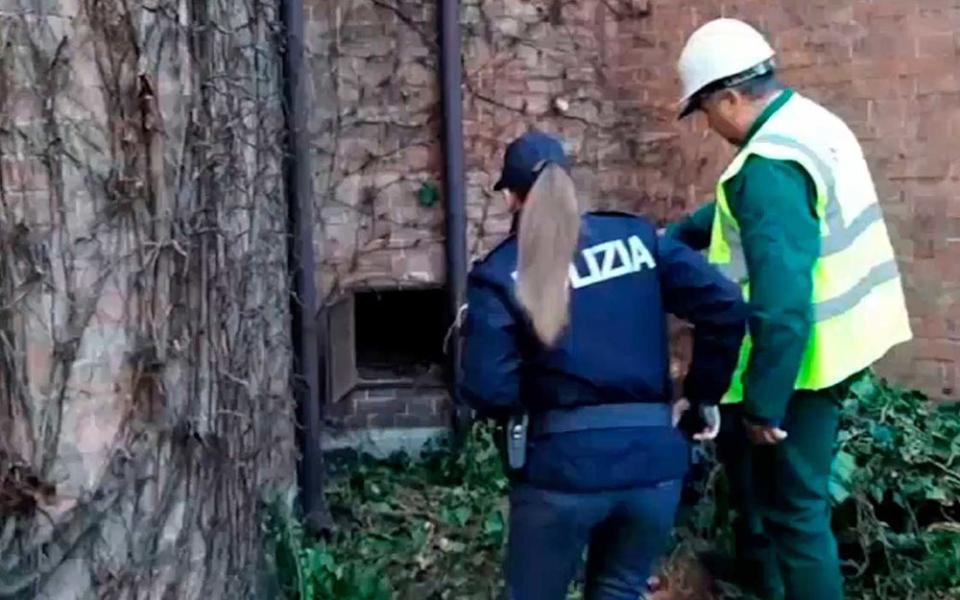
<point>764,435</point>
<point>709,414</point>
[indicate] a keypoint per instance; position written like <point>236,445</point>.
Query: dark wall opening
<point>399,333</point>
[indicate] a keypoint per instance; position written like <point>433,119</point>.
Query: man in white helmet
<point>797,223</point>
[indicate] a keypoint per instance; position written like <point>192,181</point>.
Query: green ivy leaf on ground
<point>841,478</point>
<point>436,528</point>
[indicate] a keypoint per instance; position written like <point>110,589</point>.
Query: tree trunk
<point>145,400</point>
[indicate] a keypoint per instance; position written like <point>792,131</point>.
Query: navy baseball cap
<point>523,158</point>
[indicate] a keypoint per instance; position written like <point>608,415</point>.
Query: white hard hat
<point>724,51</point>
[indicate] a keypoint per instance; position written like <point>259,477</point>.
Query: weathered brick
<point>380,421</point>
<point>379,401</point>
<point>937,349</point>
<point>351,422</point>
<point>930,19</point>
<point>885,44</point>
<point>934,375</point>
<point>418,421</point>
<point>879,9</point>
<point>938,45</point>
<point>422,406</point>
<point>342,409</point>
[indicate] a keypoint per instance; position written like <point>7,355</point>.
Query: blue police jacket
<point>624,280</point>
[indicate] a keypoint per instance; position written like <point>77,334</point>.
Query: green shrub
<point>435,528</point>
<point>427,529</point>
<point>896,485</point>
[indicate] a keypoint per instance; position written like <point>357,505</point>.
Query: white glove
<point>710,415</point>
<point>679,407</point>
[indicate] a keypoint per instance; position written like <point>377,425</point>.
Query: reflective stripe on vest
<point>856,279</point>
<point>736,268</point>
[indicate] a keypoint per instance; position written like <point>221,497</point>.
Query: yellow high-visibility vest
<point>859,310</point>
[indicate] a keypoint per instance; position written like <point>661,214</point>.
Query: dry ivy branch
<point>379,113</point>
<point>144,344</point>
<point>377,125</point>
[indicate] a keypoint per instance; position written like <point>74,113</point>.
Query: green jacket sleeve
<point>694,229</point>
<point>773,202</point>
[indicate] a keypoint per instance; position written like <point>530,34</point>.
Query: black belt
<point>602,416</point>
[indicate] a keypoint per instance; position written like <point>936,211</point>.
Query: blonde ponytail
<point>547,238</point>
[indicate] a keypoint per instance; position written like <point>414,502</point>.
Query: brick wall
<point>600,73</point>
<point>891,69</point>
<point>381,408</point>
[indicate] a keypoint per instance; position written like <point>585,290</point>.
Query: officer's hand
<point>711,416</point>
<point>679,407</point>
<point>764,435</point>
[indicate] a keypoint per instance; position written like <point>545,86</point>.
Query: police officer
<point>566,331</point>
<point>797,223</point>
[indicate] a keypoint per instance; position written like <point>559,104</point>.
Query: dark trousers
<point>755,569</point>
<point>785,544</point>
<point>625,532</point>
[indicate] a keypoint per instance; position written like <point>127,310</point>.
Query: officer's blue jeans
<point>625,533</point>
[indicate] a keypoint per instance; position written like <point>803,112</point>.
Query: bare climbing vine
<point>144,344</point>
<point>377,63</point>
<point>526,64</point>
